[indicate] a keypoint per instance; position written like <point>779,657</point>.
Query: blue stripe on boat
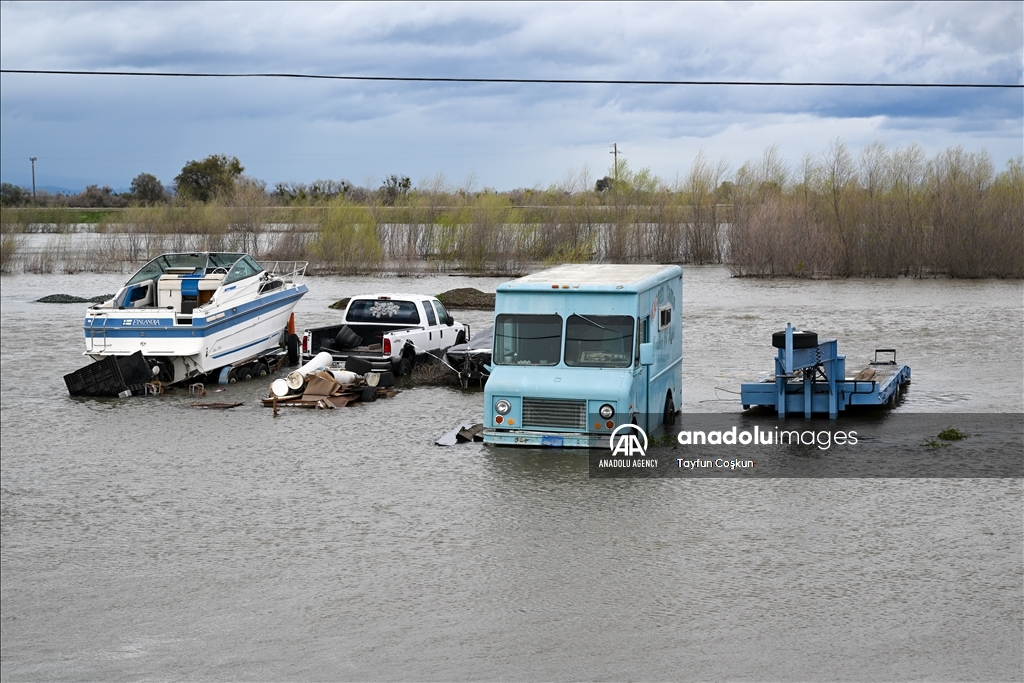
<point>114,327</point>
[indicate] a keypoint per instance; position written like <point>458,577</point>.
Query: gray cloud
<point>511,135</point>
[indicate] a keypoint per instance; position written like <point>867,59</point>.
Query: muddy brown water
<point>144,539</point>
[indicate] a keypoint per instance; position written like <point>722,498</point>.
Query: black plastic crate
<point>109,376</point>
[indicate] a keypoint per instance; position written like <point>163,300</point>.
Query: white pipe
<point>344,376</point>
<point>321,361</point>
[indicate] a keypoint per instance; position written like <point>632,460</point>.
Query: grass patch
<point>952,434</point>
<point>945,436</point>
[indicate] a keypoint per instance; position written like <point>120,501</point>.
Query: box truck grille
<point>544,412</point>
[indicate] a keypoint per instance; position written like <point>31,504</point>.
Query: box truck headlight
<point>606,411</point>
<point>502,407</point>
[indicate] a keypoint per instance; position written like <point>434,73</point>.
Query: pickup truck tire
<point>369,395</point>
<point>358,365</point>
<point>387,379</point>
<point>293,349</point>
<point>404,367</point>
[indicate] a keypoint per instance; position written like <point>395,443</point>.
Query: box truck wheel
<point>669,418</point>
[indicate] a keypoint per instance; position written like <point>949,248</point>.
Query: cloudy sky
<point>106,129</point>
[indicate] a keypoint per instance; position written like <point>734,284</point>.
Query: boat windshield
<point>196,263</point>
<point>245,267</point>
<point>527,339</point>
<point>599,341</point>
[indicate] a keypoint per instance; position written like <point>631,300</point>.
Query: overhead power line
<point>554,81</point>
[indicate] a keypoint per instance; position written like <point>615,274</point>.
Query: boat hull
<point>200,344</point>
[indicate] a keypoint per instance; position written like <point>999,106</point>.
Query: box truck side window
<point>664,317</point>
<point>527,339</point>
<point>599,341</point>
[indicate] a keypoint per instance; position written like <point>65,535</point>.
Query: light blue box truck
<point>580,350</point>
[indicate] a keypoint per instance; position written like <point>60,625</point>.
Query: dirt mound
<point>340,304</point>
<point>467,297</point>
<point>69,299</point>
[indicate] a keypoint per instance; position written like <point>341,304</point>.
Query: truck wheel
<point>669,418</point>
<point>358,365</point>
<point>293,349</point>
<point>404,367</point>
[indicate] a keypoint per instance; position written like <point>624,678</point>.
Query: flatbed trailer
<point>810,377</point>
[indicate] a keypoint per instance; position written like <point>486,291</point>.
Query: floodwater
<point>146,540</point>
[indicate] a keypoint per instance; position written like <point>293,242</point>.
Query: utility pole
<point>615,151</point>
<point>33,160</point>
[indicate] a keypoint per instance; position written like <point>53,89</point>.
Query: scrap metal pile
<point>318,384</point>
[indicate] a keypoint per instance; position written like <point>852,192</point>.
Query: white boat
<point>193,314</point>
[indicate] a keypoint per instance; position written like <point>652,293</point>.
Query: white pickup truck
<point>392,332</point>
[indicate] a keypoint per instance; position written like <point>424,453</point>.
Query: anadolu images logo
<point>627,444</point>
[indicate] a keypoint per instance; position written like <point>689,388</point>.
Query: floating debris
<point>464,432</point>
<point>216,406</point>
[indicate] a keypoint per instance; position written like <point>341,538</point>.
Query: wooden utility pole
<point>615,151</point>
<point>33,160</point>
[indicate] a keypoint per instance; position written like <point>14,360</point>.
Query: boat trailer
<point>810,377</point>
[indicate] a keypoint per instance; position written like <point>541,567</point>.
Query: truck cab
<point>580,350</point>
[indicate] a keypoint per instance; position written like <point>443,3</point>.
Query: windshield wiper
<point>583,317</point>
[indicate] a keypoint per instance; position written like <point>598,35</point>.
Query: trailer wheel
<point>369,395</point>
<point>669,418</point>
<point>293,349</point>
<point>244,373</point>
<point>261,370</point>
<point>404,367</point>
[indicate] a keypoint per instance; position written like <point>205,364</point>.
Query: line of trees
<point>883,213</point>
<point>879,213</point>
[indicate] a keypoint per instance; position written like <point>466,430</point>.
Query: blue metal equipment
<point>810,377</point>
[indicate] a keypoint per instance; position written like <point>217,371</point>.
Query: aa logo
<point>627,443</point>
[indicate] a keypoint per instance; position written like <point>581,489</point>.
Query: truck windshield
<point>527,339</point>
<point>383,311</point>
<point>599,341</point>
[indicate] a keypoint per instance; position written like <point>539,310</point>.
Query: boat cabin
<point>184,282</point>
